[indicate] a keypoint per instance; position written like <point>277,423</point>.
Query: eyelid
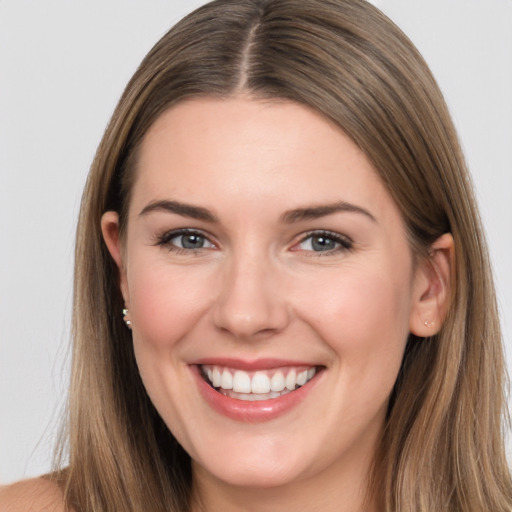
<point>165,238</point>
<point>345,242</point>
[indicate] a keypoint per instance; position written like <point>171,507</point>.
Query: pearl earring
<point>429,323</point>
<point>127,321</point>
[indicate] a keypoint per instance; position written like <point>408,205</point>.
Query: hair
<point>442,442</point>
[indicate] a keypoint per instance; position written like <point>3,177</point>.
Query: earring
<point>127,321</point>
<point>429,323</point>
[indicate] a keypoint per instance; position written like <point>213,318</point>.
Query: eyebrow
<point>315,212</point>
<point>288,217</point>
<point>183,209</point>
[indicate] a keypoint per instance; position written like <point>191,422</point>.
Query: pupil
<point>192,241</point>
<point>321,243</point>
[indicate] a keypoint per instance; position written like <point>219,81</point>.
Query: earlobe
<point>433,288</point>
<point>111,236</point>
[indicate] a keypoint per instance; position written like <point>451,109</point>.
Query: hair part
<point>442,445</point>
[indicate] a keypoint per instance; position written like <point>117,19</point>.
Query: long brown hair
<point>442,444</point>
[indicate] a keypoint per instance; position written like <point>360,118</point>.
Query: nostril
<point>259,324</point>
<point>249,303</point>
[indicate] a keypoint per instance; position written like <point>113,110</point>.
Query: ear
<point>433,288</point>
<point>110,231</point>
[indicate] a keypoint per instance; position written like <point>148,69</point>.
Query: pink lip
<point>251,412</point>
<point>250,366</point>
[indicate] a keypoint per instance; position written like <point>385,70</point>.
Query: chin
<point>254,473</point>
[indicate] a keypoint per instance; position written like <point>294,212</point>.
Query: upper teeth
<point>260,382</point>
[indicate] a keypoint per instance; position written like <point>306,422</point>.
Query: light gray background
<point>63,65</point>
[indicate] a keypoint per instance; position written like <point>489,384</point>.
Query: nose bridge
<point>250,301</point>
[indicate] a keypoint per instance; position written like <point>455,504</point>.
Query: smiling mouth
<point>257,385</point>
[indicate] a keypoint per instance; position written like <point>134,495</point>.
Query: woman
<point>282,294</point>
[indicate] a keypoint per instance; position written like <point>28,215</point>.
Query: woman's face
<point>270,288</point>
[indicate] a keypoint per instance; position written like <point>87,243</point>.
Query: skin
<point>258,289</point>
<point>36,494</point>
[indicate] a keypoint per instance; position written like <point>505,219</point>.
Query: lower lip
<point>251,412</point>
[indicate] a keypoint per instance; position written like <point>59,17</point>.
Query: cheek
<point>166,303</point>
<point>358,302</point>
<point>364,319</point>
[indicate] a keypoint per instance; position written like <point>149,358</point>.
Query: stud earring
<point>127,321</point>
<point>429,323</point>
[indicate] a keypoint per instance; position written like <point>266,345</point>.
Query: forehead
<point>239,152</point>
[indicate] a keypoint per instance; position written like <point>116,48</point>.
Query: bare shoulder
<point>34,495</point>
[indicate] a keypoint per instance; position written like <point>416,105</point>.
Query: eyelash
<point>164,240</point>
<point>344,243</point>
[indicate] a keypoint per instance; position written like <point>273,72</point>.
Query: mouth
<point>258,385</point>
<point>258,390</point>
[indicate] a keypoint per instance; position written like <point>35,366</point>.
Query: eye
<point>324,241</point>
<point>185,240</point>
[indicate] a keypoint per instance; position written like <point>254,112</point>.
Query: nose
<point>251,301</point>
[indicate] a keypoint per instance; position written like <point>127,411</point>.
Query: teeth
<point>291,380</point>
<point>226,381</point>
<point>242,382</point>
<point>277,382</point>
<point>302,378</point>
<point>252,397</point>
<point>216,378</point>
<point>261,385</point>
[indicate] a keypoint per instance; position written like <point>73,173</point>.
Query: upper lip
<point>251,364</point>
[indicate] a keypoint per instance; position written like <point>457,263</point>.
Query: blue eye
<point>325,242</point>
<point>185,240</point>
